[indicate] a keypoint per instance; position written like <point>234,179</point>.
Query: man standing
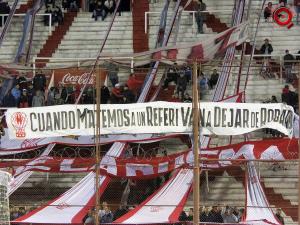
<point>200,15</point>
<point>288,65</point>
<point>297,9</point>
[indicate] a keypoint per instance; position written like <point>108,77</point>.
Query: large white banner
<point>148,118</point>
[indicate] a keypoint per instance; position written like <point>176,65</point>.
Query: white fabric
<point>67,206</point>
<point>22,174</point>
<point>159,208</point>
<point>224,118</point>
<point>257,204</point>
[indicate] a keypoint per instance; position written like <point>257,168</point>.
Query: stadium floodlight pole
<point>196,105</point>
<point>97,139</point>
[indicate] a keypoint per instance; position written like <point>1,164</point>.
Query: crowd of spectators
<point>215,214</point>
<point>4,9</point>
<point>56,13</point>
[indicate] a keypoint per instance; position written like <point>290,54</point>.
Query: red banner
<point>144,168</point>
<point>75,77</point>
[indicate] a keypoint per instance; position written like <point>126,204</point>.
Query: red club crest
<point>19,121</point>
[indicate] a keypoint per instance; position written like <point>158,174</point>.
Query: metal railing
<point>185,12</point>
<point>23,15</point>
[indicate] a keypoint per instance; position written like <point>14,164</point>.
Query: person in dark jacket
<point>39,82</point>
<point>24,101</point>
<point>215,215</point>
<point>182,216</point>
<point>181,85</point>
<point>9,100</point>
<point>129,96</point>
<point>268,11</point>
<point>200,15</point>
<point>172,75</point>
<point>204,216</point>
<point>105,95</point>
<point>213,79</point>
<point>266,48</point>
<point>288,66</point>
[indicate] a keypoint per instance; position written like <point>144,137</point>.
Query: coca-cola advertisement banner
<point>144,168</point>
<point>75,77</point>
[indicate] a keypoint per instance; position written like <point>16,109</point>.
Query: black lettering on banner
<point>263,116</point>
<point>282,117</point>
<point>161,118</point>
<point>256,121</point>
<point>91,118</point>
<point>141,119</point>
<point>32,117</point>
<point>81,117</point>
<point>155,117</point>
<point>120,117</point>
<point>132,119</point>
<point>230,124</point>
<point>238,118</point>
<point>185,116</point>
<point>166,119</point>
<point>111,117</point>
<point>49,126</point>
<point>208,121</point>
<point>276,115</point>
<point>289,119</point>
<point>56,121</point>
<point>252,119</point>
<point>202,117</point>
<point>41,121</point>
<point>191,119</point>
<point>64,120</point>
<point>246,118</point>
<point>72,122</point>
<point>270,115</point>
<point>149,116</point>
<point>217,117</point>
<point>177,117</point>
<point>171,118</point>
<point>224,117</point>
<point>126,118</point>
<point>104,118</point>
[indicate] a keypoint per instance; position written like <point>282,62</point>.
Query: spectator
<point>288,65</point>
<point>279,216</point>
<point>57,15</point>
<point>182,216</point>
<point>172,75</point>
<point>63,93</point>
<point>200,16</point>
<point>113,73</point>
<point>190,215</point>
<point>21,80</point>
<point>16,92</point>
<point>134,84</point>
<point>282,2</point>
<point>129,96</point>
<point>106,215</point>
<point>229,217</point>
<point>30,94</point>
<point>51,96</point>
<point>38,100</point>
<point>285,94</point>
<point>65,4</point>
<point>203,85</point>
<point>46,17</point>
<point>58,100</point>
<point>122,210</point>
<point>92,5</point>
<point>297,9</point>
<point>4,9</point>
<point>21,211</point>
<point>75,94</point>
<point>73,5</point>
<point>204,216</point>
<point>104,94</point>
<point>89,219</point>
<point>188,73</point>
<point>9,100</point>
<point>274,99</point>
<point>39,82</point>
<point>24,100</point>
<point>116,96</point>
<point>181,85</point>
<point>215,215</point>
<point>88,96</point>
<point>213,79</point>
<point>268,12</point>
<point>298,54</point>
<point>187,98</point>
<point>266,48</point>
<point>100,10</point>
<point>110,6</point>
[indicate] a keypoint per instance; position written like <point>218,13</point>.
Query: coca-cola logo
<point>78,79</point>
